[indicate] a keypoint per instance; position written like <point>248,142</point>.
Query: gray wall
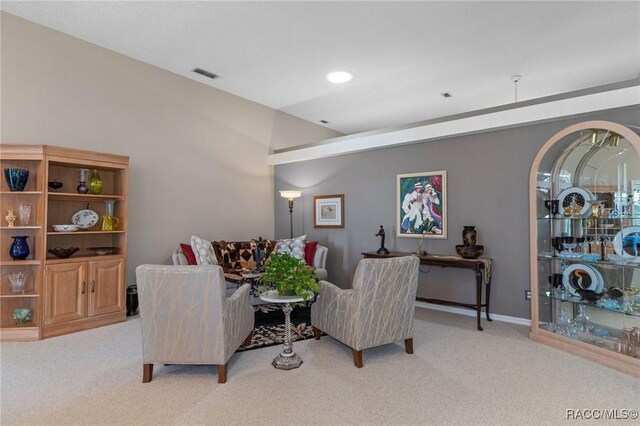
<point>198,156</point>
<point>487,184</point>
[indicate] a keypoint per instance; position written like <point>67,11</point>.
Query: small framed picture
<point>328,211</point>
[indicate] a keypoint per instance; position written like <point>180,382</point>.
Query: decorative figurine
<point>259,255</point>
<point>382,249</point>
<point>11,218</point>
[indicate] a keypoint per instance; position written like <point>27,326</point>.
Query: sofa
<point>236,256</point>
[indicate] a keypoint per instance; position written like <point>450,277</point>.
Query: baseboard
<point>472,313</point>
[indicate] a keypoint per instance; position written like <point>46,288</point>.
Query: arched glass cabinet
<point>585,243</point>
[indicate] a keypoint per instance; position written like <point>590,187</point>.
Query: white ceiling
<point>403,55</point>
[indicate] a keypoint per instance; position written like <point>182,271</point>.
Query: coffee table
<point>287,359</point>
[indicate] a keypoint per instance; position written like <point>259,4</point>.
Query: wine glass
<point>583,242</point>
<point>570,247</point>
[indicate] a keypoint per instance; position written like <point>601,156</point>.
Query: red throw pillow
<point>188,253</point>
<point>310,251</point>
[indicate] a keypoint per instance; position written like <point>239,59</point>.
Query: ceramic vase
<point>95,183</point>
<point>19,249</point>
<point>469,235</point>
<point>84,176</point>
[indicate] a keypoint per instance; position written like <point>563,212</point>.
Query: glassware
<point>16,178</point>
<point>84,176</point>
<point>95,183</point>
<point>22,315</point>
<point>583,243</point>
<point>109,207</point>
<point>581,321</point>
<point>17,280</point>
<point>109,221</point>
<point>570,247</point>
<point>24,214</point>
<point>19,249</point>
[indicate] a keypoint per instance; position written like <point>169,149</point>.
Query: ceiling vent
<point>205,73</point>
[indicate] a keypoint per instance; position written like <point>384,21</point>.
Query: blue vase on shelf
<point>16,178</point>
<point>19,249</point>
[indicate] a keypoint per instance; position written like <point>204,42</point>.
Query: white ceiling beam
<point>516,116</point>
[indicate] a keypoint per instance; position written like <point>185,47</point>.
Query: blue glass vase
<point>16,178</point>
<point>19,250</point>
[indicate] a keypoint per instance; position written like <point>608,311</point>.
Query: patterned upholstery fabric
<point>377,310</point>
<point>238,255</point>
<point>186,317</point>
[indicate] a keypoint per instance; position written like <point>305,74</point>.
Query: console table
<point>482,267</point>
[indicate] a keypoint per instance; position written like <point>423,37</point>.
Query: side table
<point>287,359</point>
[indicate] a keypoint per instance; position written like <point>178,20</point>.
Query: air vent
<point>205,73</point>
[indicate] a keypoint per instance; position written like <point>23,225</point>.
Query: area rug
<point>269,326</point>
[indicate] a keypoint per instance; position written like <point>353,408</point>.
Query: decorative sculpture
<point>259,255</point>
<point>382,249</point>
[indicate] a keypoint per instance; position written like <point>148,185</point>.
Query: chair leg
<point>247,341</point>
<point>147,373</point>
<point>222,373</point>
<point>316,333</point>
<point>408,345</point>
<point>357,358</point>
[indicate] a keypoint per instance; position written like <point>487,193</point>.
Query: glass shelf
<point>578,301</point>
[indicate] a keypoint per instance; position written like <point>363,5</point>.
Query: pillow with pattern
<point>294,247</point>
<point>203,251</point>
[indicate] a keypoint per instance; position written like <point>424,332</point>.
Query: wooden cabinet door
<point>106,286</point>
<point>65,292</point>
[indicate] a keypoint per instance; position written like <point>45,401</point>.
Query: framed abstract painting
<point>328,211</point>
<point>421,205</point>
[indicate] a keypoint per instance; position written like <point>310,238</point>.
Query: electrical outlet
<point>527,294</point>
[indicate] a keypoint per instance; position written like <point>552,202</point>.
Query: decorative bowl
<point>101,251</point>
<point>62,252</point>
<point>16,178</point>
<point>470,252</point>
<point>620,260</point>
<point>65,228</point>
<point>55,185</point>
<point>22,315</point>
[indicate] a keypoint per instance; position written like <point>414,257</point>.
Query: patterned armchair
<point>186,317</point>
<point>378,309</point>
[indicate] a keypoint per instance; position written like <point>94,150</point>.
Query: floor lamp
<point>291,195</point>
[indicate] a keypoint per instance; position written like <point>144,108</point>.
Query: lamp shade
<point>290,194</point>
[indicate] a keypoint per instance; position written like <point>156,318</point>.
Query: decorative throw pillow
<point>203,251</point>
<point>188,253</point>
<point>294,247</point>
<point>310,252</point>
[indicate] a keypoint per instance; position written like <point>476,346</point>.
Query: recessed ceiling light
<point>339,76</point>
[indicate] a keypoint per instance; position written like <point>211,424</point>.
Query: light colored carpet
<point>458,375</point>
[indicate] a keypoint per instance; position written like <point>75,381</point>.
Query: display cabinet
<point>585,244</point>
<point>78,239</point>
<point>21,284</point>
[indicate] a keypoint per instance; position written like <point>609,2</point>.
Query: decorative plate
<point>581,197</point>
<point>626,243</point>
<point>583,277</point>
<point>85,219</point>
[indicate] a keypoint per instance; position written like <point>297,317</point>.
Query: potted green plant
<point>290,276</point>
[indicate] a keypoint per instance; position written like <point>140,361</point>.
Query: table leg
<point>287,359</point>
<point>479,296</point>
<point>488,297</point>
